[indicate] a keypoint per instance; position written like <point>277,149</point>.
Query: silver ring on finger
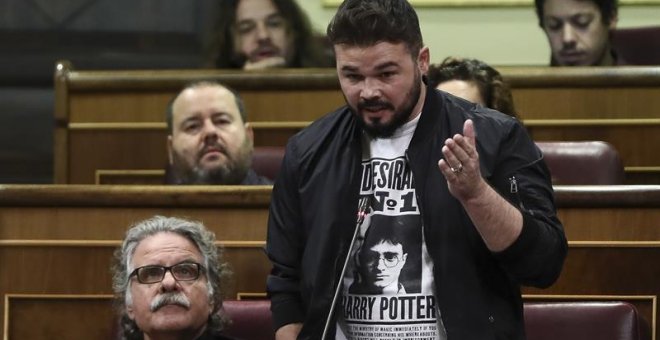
<point>458,169</point>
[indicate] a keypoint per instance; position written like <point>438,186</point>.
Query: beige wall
<point>500,36</point>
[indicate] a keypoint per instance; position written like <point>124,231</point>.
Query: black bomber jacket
<point>314,206</point>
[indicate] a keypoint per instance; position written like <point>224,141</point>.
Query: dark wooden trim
<point>595,196</point>
<point>134,195</point>
<point>572,77</point>
<point>326,78</point>
<point>601,196</point>
<point>160,80</point>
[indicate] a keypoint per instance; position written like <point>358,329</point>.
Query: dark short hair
<point>367,22</point>
<point>608,9</point>
<point>383,230</point>
<point>308,49</point>
<point>216,271</point>
<point>169,111</point>
<point>492,87</point>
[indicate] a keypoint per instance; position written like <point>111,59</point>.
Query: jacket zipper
<point>513,185</point>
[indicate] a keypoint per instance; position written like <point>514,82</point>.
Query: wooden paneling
<point>610,268</point>
<point>99,147</point>
<point>149,106</point>
<point>130,177</point>
<point>46,317</point>
<point>602,102</point>
<point>305,94</point>
<point>83,267</point>
<point>115,119</point>
<point>585,92</point>
<point>59,239</point>
<point>70,212</point>
<point>609,213</point>
<point>133,147</point>
<point>646,305</point>
<point>92,150</point>
<point>91,316</point>
<point>611,224</point>
<point>636,141</point>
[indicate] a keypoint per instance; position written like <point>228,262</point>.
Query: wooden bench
<point>58,240</point>
<point>548,320</point>
<point>92,317</point>
<point>570,163</point>
<point>114,120</point>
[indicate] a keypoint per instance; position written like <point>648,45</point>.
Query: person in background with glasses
<point>167,281</point>
<point>380,261</point>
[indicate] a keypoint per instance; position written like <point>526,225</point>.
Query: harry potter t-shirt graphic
<point>388,287</point>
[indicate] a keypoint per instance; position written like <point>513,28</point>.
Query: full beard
<point>378,129</point>
<point>231,172</point>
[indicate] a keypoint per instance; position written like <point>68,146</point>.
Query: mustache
<point>213,146</point>
<point>265,45</point>
<point>169,299</point>
<point>374,104</point>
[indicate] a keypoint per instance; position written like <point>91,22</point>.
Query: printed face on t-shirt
<point>382,265</point>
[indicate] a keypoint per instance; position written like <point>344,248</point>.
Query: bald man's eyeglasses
<point>185,271</point>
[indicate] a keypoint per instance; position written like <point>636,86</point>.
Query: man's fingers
<point>468,129</point>
<point>467,142</point>
<point>451,157</point>
<point>459,147</point>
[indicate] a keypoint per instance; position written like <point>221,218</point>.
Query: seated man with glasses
<point>167,279</point>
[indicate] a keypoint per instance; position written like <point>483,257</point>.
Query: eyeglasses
<point>185,271</point>
<point>390,259</point>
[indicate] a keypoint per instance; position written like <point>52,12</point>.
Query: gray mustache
<point>169,299</point>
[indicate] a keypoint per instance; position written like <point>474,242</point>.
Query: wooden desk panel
<point>305,94</point>
<point>60,317</point>
<point>605,268</point>
<point>240,213</point>
<point>585,92</point>
<point>92,150</point>
<point>115,119</point>
<point>91,316</point>
<point>80,212</point>
<point>611,224</point>
<point>150,106</point>
<point>142,96</point>
<point>636,141</point>
<point>119,106</point>
<point>60,239</point>
<point>586,103</point>
<point>93,147</point>
<point>73,267</point>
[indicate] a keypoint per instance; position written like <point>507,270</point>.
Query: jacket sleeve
<point>284,245</point>
<point>537,256</point>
